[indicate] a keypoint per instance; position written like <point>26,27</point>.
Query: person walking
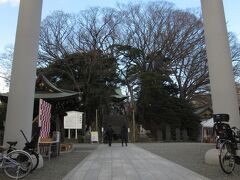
<point>109,133</point>
<point>124,135</point>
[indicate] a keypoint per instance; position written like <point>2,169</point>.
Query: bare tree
<point>96,29</point>
<point>167,39</point>
<point>235,54</point>
<point>6,64</point>
<point>143,28</point>
<point>54,36</point>
<point>188,54</point>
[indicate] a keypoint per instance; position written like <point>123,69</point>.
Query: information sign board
<point>73,120</point>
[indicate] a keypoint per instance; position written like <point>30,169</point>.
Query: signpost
<point>94,136</point>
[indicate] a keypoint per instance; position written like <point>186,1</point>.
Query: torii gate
<point>21,95</point>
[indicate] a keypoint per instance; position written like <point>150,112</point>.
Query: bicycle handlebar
<point>24,135</point>
<point>235,128</point>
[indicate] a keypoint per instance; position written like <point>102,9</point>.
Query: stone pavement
<point>191,156</point>
<point>128,163</point>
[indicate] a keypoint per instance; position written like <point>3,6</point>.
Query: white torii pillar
<point>223,90</point>
<point>22,85</point>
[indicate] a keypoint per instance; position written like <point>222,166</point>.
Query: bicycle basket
<point>218,118</point>
<point>223,130</point>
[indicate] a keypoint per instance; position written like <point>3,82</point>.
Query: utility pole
<point>134,123</point>
<point>132,105</point>
<point>96,119</point>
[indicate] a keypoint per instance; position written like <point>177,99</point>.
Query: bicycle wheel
<point>226,158</point>
<point>17,164</point>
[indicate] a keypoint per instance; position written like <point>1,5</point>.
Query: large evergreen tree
<point>159,106</point>
<point>92,73</point>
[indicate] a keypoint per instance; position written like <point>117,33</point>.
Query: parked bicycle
<point>29,147</point>
<point>221,128</point>
<point>227,142</point>
<point>17,164</point>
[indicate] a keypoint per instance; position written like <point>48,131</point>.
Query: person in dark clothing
<point>109,134</point>
<point>124,135</point>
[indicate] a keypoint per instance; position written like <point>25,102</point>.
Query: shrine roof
<point>44,89</point>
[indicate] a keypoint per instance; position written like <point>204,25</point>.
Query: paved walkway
<point>128,163</point>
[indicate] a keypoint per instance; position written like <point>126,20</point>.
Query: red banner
<point>44,118</point>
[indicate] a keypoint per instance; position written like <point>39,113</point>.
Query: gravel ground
<point>58,167</point>
<point>191,156</point>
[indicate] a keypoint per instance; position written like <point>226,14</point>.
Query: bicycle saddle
<point>12,143</point>
<point>2,149</point>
